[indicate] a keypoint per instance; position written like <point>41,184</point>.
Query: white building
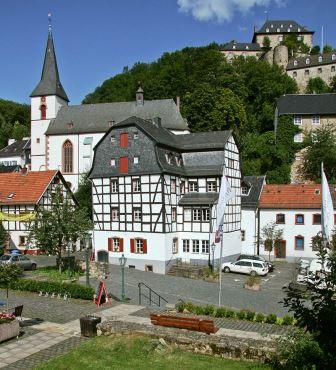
<point>155,194</point>
<point>16,153</point>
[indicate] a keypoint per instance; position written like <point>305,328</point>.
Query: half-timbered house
<point>20,194</point>
<point>155,194</point>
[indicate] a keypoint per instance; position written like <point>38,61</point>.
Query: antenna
<point>49,21</point>
<point>321,39</point>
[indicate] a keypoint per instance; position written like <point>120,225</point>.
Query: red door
<point>123,165</point>
<point>280,250</point>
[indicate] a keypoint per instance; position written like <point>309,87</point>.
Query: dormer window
<point>333,57</point>
<point>246,47</point>
<point>295,63</point>
<point>110,123</point>
<point>299,29</point>
<point>244,190</point>
<point>271,25</point>
<point>168,158</point>
<point>278,29</point>
<point>267,29</point>
<point>233,46</point>
<point>10,196</point>
<point>288,30</point>
<point>307,61</point>
<point>113,140</point>
<point>70,125</point>
<point>320,58</point>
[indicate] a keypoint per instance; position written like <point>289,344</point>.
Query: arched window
<point>43,109</point>
<point>67,157</point>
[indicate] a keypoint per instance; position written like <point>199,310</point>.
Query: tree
<point>3,234</point>
<point>84,195</point>
<point>272,235</point>
<point>20,131</point>
<point>317,86</point>
<point>266,43</point>
<point>59,224</point>
<point>315,50</point>
<point>294,45</point>
<point>333,85</point>
<point>9,273</point>
<point>328,49</point>
<point>320,146</point>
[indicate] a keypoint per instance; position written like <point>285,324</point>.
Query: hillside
<point>216,95</point>
<point>14,121</point>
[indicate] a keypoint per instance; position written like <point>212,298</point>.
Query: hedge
<point>75,290</point>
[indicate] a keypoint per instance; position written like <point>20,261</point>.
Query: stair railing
<point>151,295</point>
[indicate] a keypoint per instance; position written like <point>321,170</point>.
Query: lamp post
<point>122,261</point>
<point>213,245</point>
<point>87,239</point>
<point>69,256</point>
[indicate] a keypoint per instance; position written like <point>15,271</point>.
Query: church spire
<point>50,83</point>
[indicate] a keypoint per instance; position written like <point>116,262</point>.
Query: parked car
<point>23,261</point>
<point>246,266</point>
<point>256,258</point>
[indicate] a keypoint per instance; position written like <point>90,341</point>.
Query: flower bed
<point>9,326</point>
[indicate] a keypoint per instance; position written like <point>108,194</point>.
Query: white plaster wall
<point>249,225</point>
<point>8,161</point>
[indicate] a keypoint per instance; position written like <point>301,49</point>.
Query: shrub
<point>220,312</point>
<point>287,320</point>
<point>241,315</point>
<point>209,309</point>
<point>253,280</point>
<point>75,290</point>
<point>271,318</point>
<point>259,317</point>
<point>190,307</point>
<point>199,310</point>
<point>230,313</point>
<point>180,306</point>
<point>250,315</point>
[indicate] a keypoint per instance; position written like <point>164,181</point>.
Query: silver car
<point>23,261</point>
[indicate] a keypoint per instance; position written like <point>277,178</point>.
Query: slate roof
<point>283,25</point>
<point>50,83</point>
<point>301,62</point>
<point>322,104</point>
<point>293,196</point>
<point>26,188</point>
<point>255,184</point>
<point>8,169</point>
<point>15,149</point>
<point>192,199</point>
<point>240,46</point>
<point>91,118</point>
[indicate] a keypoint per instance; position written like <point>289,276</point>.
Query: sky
<point>95,39</point>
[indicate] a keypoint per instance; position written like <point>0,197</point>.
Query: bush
<point>180,306</point>
<point>287,320</point>
<point>241,315</point>
<point>75,290</point>
<point>250,315</point>
<point>209,309</point>
<point>271,318</point>
<point>199,310</point>
<point>230,313</point>
<point>190,307</point>
<point>220,312</point>
<point>259,317</point>
<point>253,280</point>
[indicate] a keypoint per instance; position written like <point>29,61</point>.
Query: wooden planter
<point>252,287</point>
<point>9,330</point>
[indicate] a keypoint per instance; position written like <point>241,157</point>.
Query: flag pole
<point>220,267</point>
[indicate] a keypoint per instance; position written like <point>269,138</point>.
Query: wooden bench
<point>182,322</point>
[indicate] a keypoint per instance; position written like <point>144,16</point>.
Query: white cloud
<point>221,10</point>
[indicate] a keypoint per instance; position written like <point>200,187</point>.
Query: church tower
<point>46,100</point>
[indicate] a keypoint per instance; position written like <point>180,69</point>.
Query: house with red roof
<point>20,194</point>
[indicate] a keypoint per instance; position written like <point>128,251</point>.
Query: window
<point>306,72</point>
<point>242,235</point>
<point>317,219</point>
<point>182,186</point>
<point>187,214</point>
<point>136,185</point>
<point>298,138</point>
<point>113,140</point>
<point>295,62</point>
<point>205,214</point>
<point>299,219</point>
<point>299,243</point>
<point>114,185</point>
<point>110,123</point>
<point>139,246</point>
<point>205,246</point>
<point>294,74</point>
<point>193,186</point>
<point>136,160</point>
<point>280,38</point>
<point>280,218</point>
<point>173,186</point>
<point>135,135</point>
<point>297,120</point>
<point>113,162</point>
<point>211,186</point>
<point>67,157</point>
<point>244,190</point>
<point>124,140</point>
<point>186,246</point>
<point>173,213</point>
<point>38,140</point>
<point>43,109</point>
<point>179,161</point>
<point>114,214</point>
<point>70,125</point>
<point>320,58</point>
<point>307,61</point>
<point>149,268</point>
<point>196,214</point>
<point>319,70</point>
<point>278,29</point>
<point>267,29</point>
<point>168,158</point>
<point>314,137</point>
<point>195,246</point>
<point>137,215</point>
<point>333,57</point>
<point>175,246</point>
<point>123,165</point>
<point>230,163</point>
<point>116,245</point>
<point>22,240</point>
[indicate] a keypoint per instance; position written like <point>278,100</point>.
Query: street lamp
<point>213,246</point>
<point>69,256</point>
<point>122,261</point>
<point>87,240</point>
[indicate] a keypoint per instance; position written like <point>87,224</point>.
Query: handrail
<point>149,296</point>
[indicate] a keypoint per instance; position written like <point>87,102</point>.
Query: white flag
<point>225,194</point>
<point>327,208</point>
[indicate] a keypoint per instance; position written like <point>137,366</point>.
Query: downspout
<point>258,231</point>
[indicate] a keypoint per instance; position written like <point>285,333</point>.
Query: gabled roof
<point>8,169</point>
<point>20,188</point>
<point>240,46</point>
<point>285,26</point>
<point>313,61</point>
<point>293,196</point>
<point>191,199</point>
<point>255,185</point>
<point>91,118</point>
<point>50,83</point>
<point>16,149</point>
<point>302,104</point>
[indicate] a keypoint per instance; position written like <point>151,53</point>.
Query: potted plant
<point>252,283</point>
<point>9,326</point>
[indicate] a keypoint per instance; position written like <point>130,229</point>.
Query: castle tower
<point>46,100</point>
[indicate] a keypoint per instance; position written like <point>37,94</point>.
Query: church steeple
<point>50,83</point>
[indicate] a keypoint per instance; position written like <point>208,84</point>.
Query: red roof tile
<point>26,188</point>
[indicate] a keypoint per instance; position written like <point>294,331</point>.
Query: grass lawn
<point>139,352</point>
<point>52,273</point>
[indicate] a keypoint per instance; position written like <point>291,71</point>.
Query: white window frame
<point>136,160</point>
<point>186,246</point>
<point>113,139</point>
<point>114,184</point>
<point>114,214</point>
<point>136,185</point>
<point>175,246</point>
<point>193,186</point>
<point>205,247</point>
<point>211,186</point>
<point>196,215</point>
<point>316,120</point>
<point>139,246</point>
<point>116,244</point>
<point>205,214</point>
<point>298,138</point>
<point>298,120</point>
<point>195,246</point>
<point>113,162</point>
<point>137,214</point>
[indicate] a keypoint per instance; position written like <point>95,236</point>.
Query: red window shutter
<point>132,245</point>
<point>110,244</point>
<point>123,165</point>
<point>121,244</point>
<point>123,140</point>
<point>334,219</point>
<point>43,111</point>
<point>144,246</point>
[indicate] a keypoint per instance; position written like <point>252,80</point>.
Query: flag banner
<point>217,236</point>
<point>327,208</point>
<point>21,217</point>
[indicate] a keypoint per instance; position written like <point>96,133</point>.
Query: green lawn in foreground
<point>139,353</point>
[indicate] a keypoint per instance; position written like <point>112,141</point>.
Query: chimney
<point>139,96</point>
<point>11,141</point>
<point>178,103</point>
<point>24,171</point>
<point>157,122</point>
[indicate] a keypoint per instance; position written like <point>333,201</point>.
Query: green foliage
<point>266,43</point>
<point>253,280</point>
<point>333,85</point>
<point>3,234</point>
<point>241,315</point>
<point>9,274</point>
<point>250,315</point>
<point>317,86</point>
<point>30,285</point>
<point>199,310</point>
<point>84,195</point>
<point>328,49</point>
<point>271,234</point>
<point>259,317</point>
<point>52,273</point>
<point>271,318</point>
<point>20,131</point>
<point>287,320</point>
<point>315,50</point>
<point>230,313</point>
<point>294,45</point>
<point>209,309</point>
<point>220,312</point>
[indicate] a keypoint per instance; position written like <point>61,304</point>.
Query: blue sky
<point>95,39</point>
